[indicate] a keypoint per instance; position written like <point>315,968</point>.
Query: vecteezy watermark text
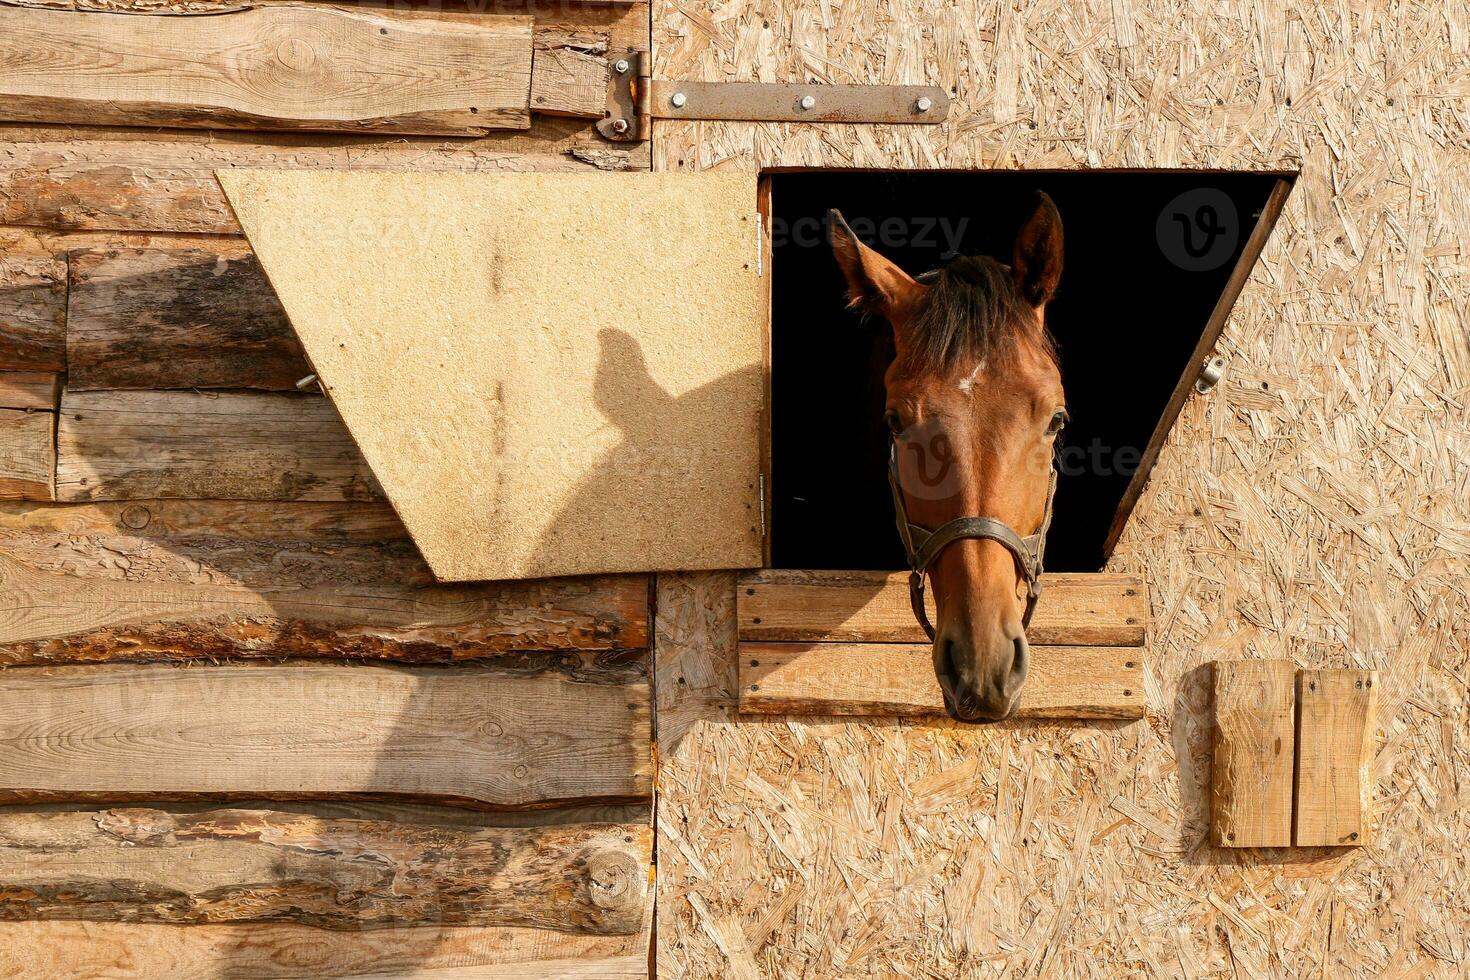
<point>915,231</point>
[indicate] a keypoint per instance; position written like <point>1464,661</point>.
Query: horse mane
<point>973,310</point>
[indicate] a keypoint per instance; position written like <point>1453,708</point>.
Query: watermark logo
<point>1199,229</point>
<point>928,468</point>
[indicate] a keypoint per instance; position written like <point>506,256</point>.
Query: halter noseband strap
<point>924,546</point>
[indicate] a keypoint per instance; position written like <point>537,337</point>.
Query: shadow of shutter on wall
<point>549,374</point>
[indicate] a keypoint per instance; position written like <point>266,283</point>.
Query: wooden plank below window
<point>472,736</point>
<point>1255,704</point>
<point>897,679</point>
<point>279,66</point>
<point>126,445</point>
<point>1336,713</point>
<point>873,607</point>
<point>254,865</point>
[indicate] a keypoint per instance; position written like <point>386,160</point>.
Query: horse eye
<point>1058,422</point>
<point>894,423</point>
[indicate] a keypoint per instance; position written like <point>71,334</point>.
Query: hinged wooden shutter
<point>549,374</point>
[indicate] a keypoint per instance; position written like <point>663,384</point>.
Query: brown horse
<point>974,405</point>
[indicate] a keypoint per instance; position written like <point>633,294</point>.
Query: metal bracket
<point>627,98</point>
<point>1210,375</point>
<point>634,100</point>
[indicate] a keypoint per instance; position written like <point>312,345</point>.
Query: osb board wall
<point>118,248</point>
<point>1314,506</point>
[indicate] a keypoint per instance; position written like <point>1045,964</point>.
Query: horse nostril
<point>1016,676</point>
<point>944,665</point>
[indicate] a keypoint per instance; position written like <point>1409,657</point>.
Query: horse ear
<point>1037,260</point>
<point>873,282</point>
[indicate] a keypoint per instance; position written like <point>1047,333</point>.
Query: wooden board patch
<point>1254,742</point>
<point>1292,755</point>
<point>1335,716</point>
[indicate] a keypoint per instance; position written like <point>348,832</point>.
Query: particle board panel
<point>471,736</point>
<point>873,607</point>
<point>1336,712</point>
<point>1255,702</point>
<point>32,310</point>
<point>258,865</point>
<point>534,331</point>
<point>277,66</point>
<point>897,679</point>
<point>126,445</point>
<point>198,317</point>
<point>27,455</point>
<point>1314,502</point>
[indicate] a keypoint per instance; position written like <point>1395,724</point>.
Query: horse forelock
<point>973,311</point>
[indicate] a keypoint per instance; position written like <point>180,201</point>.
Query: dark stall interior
<point>1147,257</point>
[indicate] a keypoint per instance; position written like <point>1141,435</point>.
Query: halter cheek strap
<point>923,546</point>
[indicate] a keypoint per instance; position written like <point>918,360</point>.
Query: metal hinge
<point>761,480</point>
<point>634,100</point>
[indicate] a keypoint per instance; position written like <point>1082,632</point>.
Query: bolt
<point>807,101</point>
<point>621,66</point>
<point>679,99</point>
<point>620,125</point>
<point>924,104</point>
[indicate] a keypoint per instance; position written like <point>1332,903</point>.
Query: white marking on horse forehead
<point>967,385</point>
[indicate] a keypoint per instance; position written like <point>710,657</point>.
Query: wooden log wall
<point>234,697</point>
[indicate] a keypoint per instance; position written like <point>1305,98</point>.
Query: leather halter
<point>923,546</point>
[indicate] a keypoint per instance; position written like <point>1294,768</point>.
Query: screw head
<point>621,66</point>
<point>924,104</point>
<point>807,101</point>
<point>679,100</point>
<point>620,125</point>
